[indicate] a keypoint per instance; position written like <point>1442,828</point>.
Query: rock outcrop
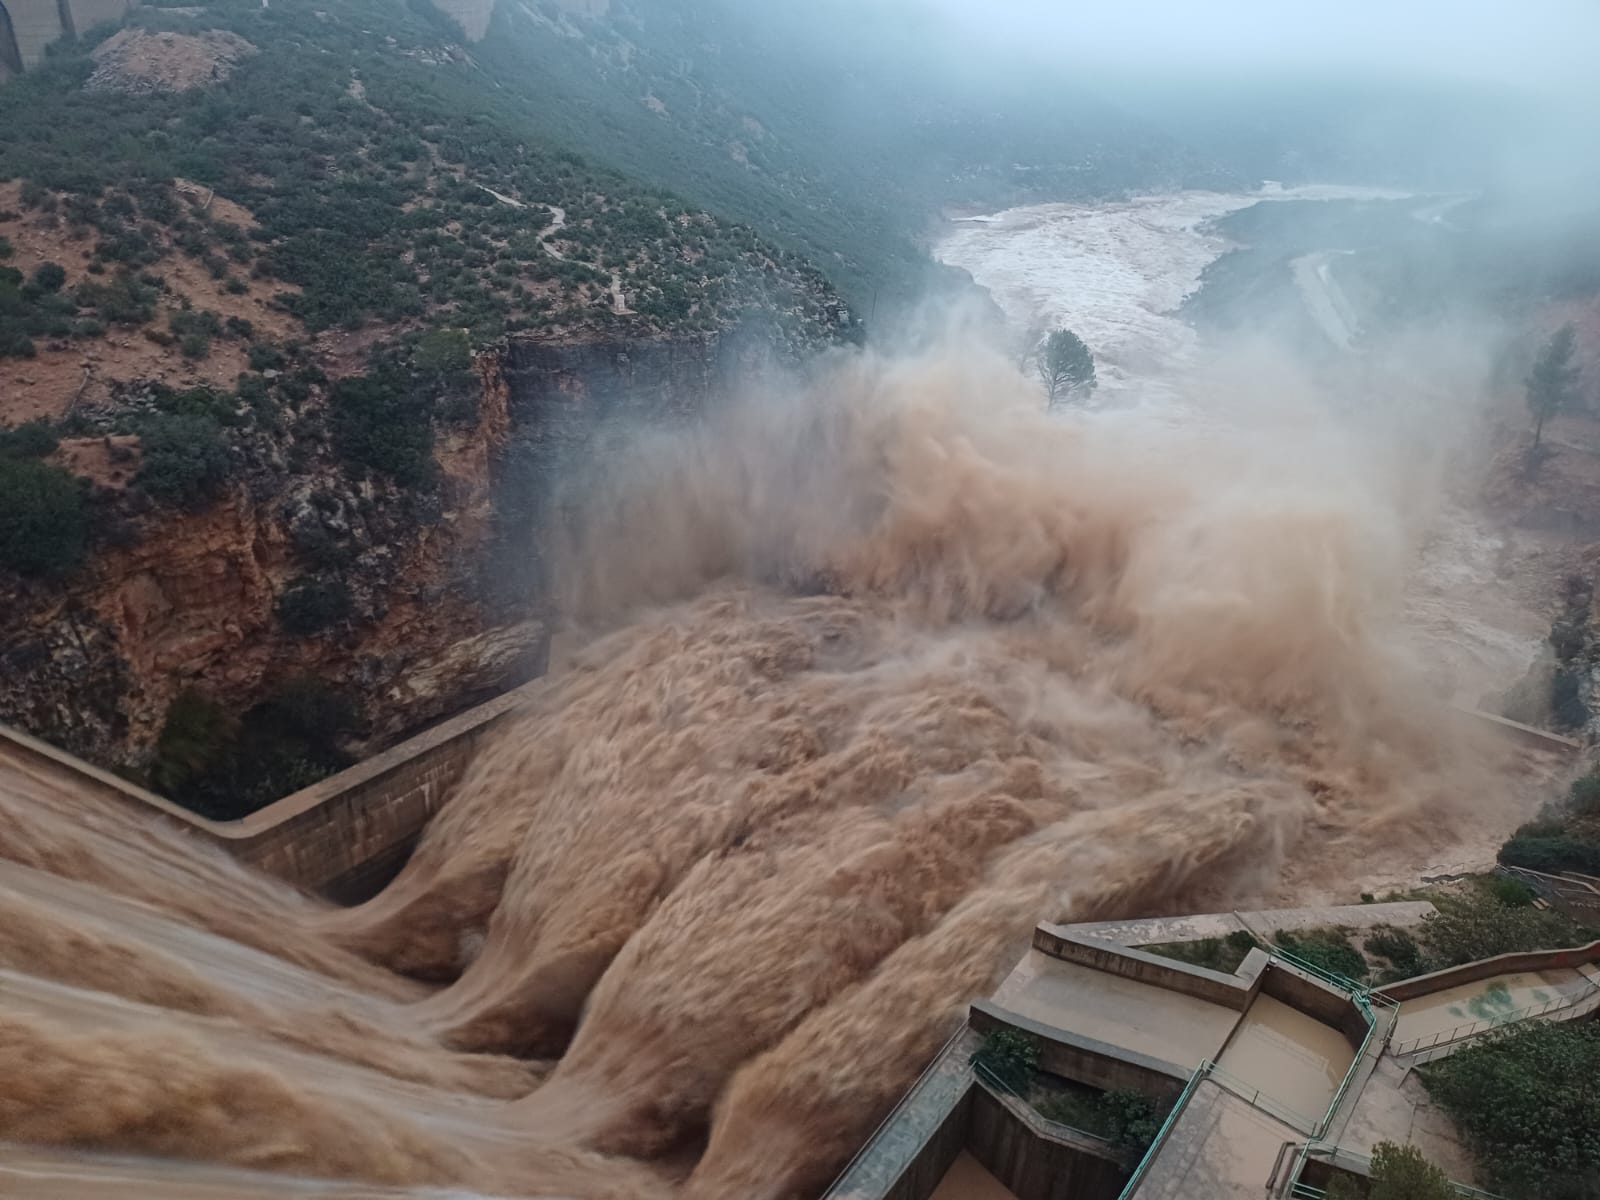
<point>136,61</point>
<point>446,598</point>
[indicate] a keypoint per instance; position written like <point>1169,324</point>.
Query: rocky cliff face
<point>446,598</point>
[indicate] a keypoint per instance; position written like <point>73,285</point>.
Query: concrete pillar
<point>34,25</point>
<point>10,57</point>
<point>86,14</point>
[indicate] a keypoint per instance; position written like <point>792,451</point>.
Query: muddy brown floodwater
<point>895,666</point>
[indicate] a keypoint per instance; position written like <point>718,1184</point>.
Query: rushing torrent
<point>893,667</point>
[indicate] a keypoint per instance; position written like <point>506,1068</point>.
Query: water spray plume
<point>878,672</point>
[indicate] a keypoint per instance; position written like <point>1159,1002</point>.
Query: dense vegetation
<point>1329,950</point>
<point>1009,1059</point>
<point>1528,1103</point>
<point>36,308</point>
<point>1482,923</point>
<point>828,124</point>
<point>225,766</point>
<point>1066,367</point>
<point>1491,916</point>
<point>1223,954</point>
<point>1130,1119</point>
<point>1398,1173</point>
<point>1565,837</point>
<point>44,524</point>
<point>392,180</point>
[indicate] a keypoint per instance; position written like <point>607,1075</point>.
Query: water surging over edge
<point>897,667</point>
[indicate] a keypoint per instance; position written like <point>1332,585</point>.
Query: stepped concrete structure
<point>1274,1077</point>
<point>28,26</point>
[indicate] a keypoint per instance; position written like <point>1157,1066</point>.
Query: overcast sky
<point>1551,44</point>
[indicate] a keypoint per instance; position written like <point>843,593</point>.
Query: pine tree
<point>1066,366</point>
<point>1552,384</point>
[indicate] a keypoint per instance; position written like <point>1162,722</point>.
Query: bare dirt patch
<point>137,62</point>
<point>111,461</point>
<point>72,371</point>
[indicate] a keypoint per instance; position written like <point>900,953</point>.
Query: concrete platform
<point>1294,1060</point>
<point>1151,1021</point>
<point>1395,1107</point>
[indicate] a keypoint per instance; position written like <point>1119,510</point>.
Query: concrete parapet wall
<point>933,1159</point>
<point>1111,1068</point>
<point>1230,991</point>
<point>921,1137</point>
<point>1317,1000</point>
<point>1488,968</point>
<point>343,837</point>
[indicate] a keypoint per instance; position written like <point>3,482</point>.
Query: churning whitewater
<point>890,669</point>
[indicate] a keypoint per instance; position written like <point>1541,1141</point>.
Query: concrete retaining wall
<point>1037,1165</point>
<point>1084,1060</point>
<point>1230,991</point>
<point>1317,1000</point>
<point>1488,968</point>
<point>343,837</point>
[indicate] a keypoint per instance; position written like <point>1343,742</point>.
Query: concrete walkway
<point>1403,914</point>
<point>1395,1107</point>
<point>1292,1059</point>
<point>1219,1148</point>
<point>1471,1008</point>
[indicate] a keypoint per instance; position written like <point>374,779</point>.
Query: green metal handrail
<point>1364,999</point>
<point>992,1079</point>
<point>1447,1037</point>
<point>1305,1191</point>
<point>1184,1096</point>
<point>1253,1096</point>
<point>1354,987</point>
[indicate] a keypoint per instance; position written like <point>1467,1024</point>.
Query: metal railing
<point>1255,1098</point>
<point>1178,1105</point>
<point>1343,983</point>
<point>1060,1129</point>
<point>1577,1002</point>
<point>1362,1165</point>
<point>1365,1006</point>
<point>1569,892</point>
